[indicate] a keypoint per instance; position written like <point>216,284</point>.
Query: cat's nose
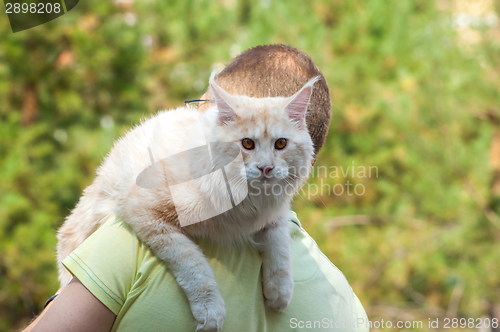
<point>266,169</point>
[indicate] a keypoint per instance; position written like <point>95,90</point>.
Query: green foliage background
<point>409,98</point>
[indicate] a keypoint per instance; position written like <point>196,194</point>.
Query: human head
<point>278,70</point>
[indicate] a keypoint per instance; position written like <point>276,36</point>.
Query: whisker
<point>240,183</point>
<point>309,186</point>
<point>297,192</point>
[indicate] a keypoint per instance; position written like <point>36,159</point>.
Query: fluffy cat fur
<point>260,218</point>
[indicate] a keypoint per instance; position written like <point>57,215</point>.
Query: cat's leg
<point>277,281</point>
<point>191,270</point>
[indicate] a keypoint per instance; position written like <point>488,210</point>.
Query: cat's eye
<point>248,144</point>
<point>280,143</point>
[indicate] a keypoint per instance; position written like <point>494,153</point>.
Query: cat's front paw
<point>209,311</point>
<point>278,289</point>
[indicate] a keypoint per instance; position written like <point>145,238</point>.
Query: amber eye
<point>280,144</point>
<point>248,144</point>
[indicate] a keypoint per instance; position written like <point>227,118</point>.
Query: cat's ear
<point>296,106</point>
<point>223,101</point>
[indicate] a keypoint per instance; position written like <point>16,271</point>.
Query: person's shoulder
<point>107,262</point>
<point>305,249</point>
<point>320,288</point>
<point>114,238</point>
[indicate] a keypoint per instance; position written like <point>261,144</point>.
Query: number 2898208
<point>470,323</point>
<point>38,8</point>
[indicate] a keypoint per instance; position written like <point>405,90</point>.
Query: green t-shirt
<point>126,276</point>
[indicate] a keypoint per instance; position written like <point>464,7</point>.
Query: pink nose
<point>266,169</point>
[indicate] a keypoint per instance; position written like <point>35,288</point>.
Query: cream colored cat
<point>272,137</point>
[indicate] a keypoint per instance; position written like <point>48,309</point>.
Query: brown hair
<point>278,70</point>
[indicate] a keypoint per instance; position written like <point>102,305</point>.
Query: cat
<point>269,133</point>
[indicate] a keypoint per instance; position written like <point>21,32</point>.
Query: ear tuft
<point>296,106</point>
<point>223,101</point>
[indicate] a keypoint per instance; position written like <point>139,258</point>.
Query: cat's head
<point>271,133</point>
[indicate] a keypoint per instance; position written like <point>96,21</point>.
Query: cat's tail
<point>84,220</point>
